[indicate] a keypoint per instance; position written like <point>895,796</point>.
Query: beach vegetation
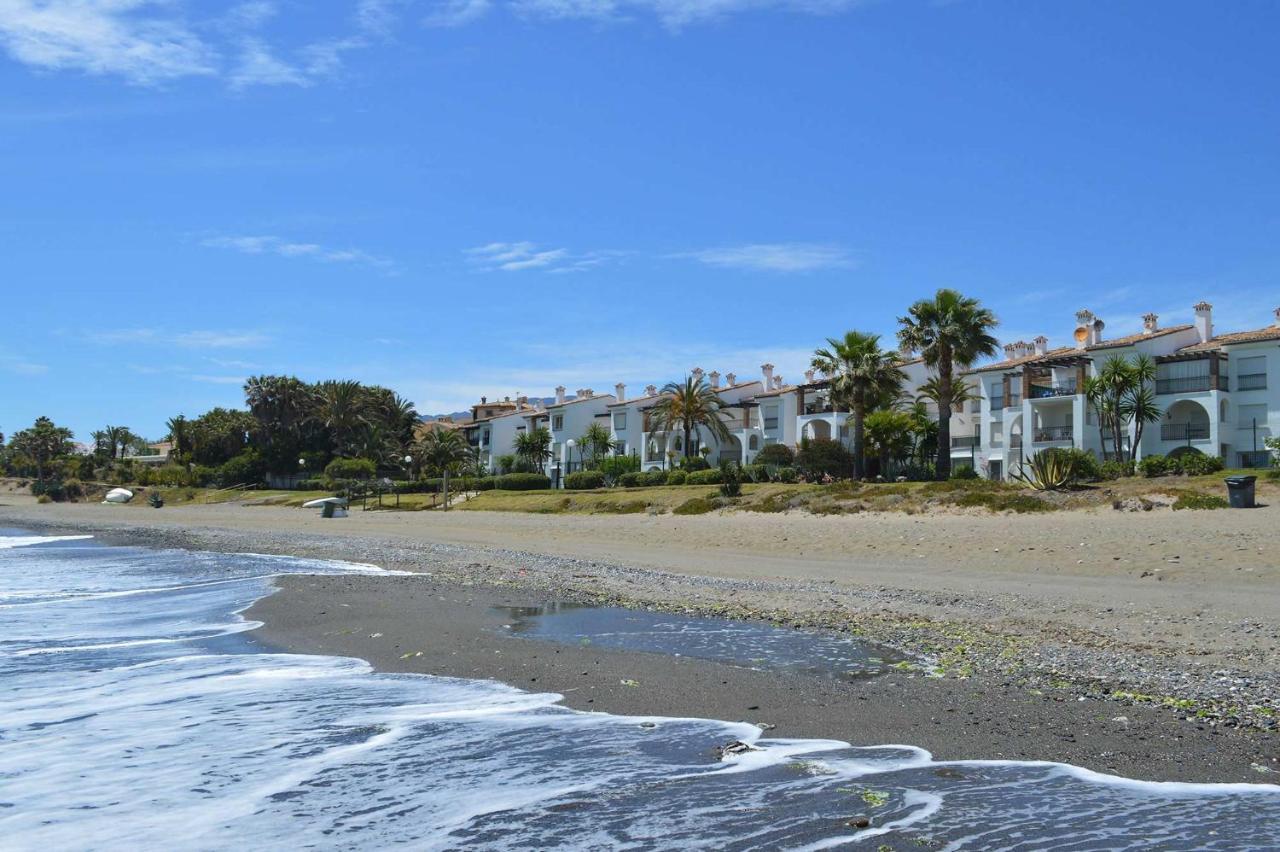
<point>533,448</point>
<point>342,470</point>
<point>677,477</point>
<point>691,464</point>
<point>822,458</point>
<point>594,444</point>
<point>584,479</point>
<point>779,455</point>
<point>615,466</point>
<point>862,376</point>
<point>704,477</point>
<point>1048,470</point>
<point>445,452</point>
<point>948,331</point>
<point>695,506</point>
<point>40,446</point>
<point>1195,500</point>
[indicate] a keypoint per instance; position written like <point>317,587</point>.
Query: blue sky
<point>481,197</point>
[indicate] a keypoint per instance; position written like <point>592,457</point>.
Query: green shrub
<point>613,467</point>
<point>822,457</point>
<point>44,498</point>
<point>505,464</point>
<point>696,506</point>
<point>247,468</point>
<point>779,455</point>
<point>202,475</point>
<point>1084,464</point>
<point>1003,502</point>
<point>583,480</point>
<point>704,477</point>
<point>1199,464</point>
<point>692,463</point>
<point>730,479</point>
<point>1273,476</point>
<point>786,474</point>
<point>755,472</point>
<point>677,477</point>
<point>1192,500</point>
<point>1115,469</point>
<point>523,482</point>
<point>654,477</point>
<point>1154,465</point>
<point>964,472</point>
<point>340,469</point>
<point>315,485</point>
<point>51,488</point>
<point>72,489</point>
<point>630,480</point>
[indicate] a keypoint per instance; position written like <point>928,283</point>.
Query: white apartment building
<point>1219,394</point>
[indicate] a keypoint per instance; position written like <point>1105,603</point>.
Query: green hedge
<point>677,477</point>
<point>522,482</point>
<point>705,477</point>
<point>584,480</point>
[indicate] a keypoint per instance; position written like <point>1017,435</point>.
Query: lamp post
<point>568,461</point>
<point>302,467</point>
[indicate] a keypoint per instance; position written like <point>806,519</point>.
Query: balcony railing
<point>964,442</point>
<point>1051,434</point>
<point>1184,431</point>
<point>1251,381</point>
<point>1054,390</point>
<point>1184,384</point>
<point>819,408</point>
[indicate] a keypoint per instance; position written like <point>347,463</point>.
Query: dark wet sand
<point>459,633</point>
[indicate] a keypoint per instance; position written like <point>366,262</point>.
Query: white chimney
<point>1204,321</point>
<point>651,390</point>
<point>559,394</point>
<point>588,392</point>
<point>1277,317</point>
<point>1041,344</point>
<point>620,391</point>
<point>1084,328</point>
<point>767,371</point>
<point>732,378</point>
<point>1150,323</point>
<point>697,373</point>
<point>808,376</point>
<point>777,381</point>
<point>715,378</point>
<point>1010,351</point>
<point>1098,326</point>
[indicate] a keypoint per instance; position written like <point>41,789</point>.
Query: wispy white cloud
<point>143,40</point>
<point>154,41</point>
<point>196,339</point>
<point>518,256</point>
<point>216,380</point>
<point>270,244</point>
<point>20,366</point>
<point>674,14</point>
<point>456,13</point>
<point>776,257</point>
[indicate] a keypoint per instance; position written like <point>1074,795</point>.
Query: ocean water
<point>134,714</point>
<point>738,643</point>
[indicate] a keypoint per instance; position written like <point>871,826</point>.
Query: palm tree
<point>1120,394</point>
<point>686,406</point>
<point>596,442</point>
<point>533,448</point>
<point>340,410</point>
<point>861,373</point>
<point>961,393</point>
<point>442,450</point>
<point>180,435</point>
<point>948,331</point>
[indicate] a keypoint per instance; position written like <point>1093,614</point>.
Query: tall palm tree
<point>280,405</point>
<point>443,450</point>
<point>180,435</point>
<point>948,331</point>
<point>533,447</point>
<point>340,410</point>
<point>861,373</point>
<point>686,406</point>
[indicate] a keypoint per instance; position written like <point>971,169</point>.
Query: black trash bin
<point>1240,491</point>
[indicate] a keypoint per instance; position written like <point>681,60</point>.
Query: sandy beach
<point>1139,643</point>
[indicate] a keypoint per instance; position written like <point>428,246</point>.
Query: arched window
<point>753,443</point>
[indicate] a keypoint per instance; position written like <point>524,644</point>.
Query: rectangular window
<point>1247,414</point>
<point>1251,374</point>
<point>1183,376</point>
<point>620,421</point>
<point>771,417</point>
<point>557,422</point>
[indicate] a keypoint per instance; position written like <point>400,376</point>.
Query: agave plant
<point>1047,471</point>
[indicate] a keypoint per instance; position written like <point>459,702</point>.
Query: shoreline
<point>1004,696</point>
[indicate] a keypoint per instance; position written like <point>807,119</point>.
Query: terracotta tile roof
<point>1010,363</point>
<point>1131,339</point>
<point>1271,332</point>
<point>779,392</point>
